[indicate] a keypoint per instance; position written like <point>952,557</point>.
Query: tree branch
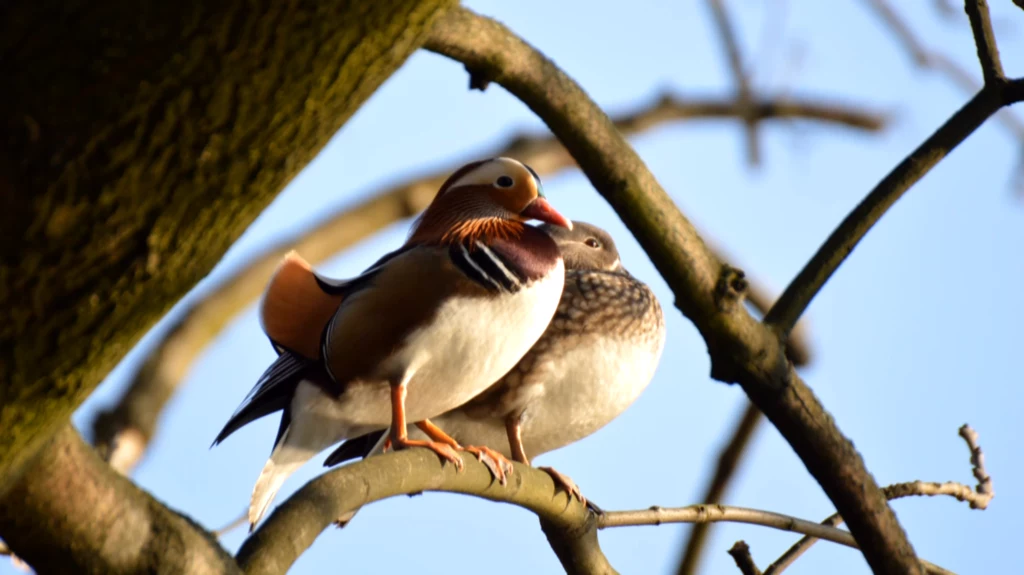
<point>716,513</point>
<point>742,350</point>
<point>978,498</point>
<point>570,527</point>
<point>985,39</point>
<point>70,513</point>
<point>293,526</point>
<point>932,59</point>
<point>123,431</point>
<point>740,552</point>
<point>992,97</point>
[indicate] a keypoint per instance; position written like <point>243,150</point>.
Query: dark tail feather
<point>354,448</point>
<point>273,392</point>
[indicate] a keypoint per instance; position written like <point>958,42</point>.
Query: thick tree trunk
<point>137,142</point>
<point>71,513</point>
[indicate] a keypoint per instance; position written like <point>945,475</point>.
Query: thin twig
<point>123,431</point>
<point>731,47</point>
<point>724,472</point>
<point>978,498</point>
<point>717,513</point>
<point>740,552</point>
<point>742,350</point>
<point>985,40</point>
<point>984,489</point>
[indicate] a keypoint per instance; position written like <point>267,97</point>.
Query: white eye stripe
<point>488,174</point>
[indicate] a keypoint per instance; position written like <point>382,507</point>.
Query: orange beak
<point>540,209</point>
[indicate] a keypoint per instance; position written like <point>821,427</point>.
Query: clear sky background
<point>918,332</point>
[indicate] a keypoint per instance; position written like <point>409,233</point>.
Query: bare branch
<point>934,60</point>
<point>717,513</point>
<point>123,431</point>
<point>570,527</point>
<point>724,472</point>
<point>108,526</point>
<point>985,39</point>
<point>984,489</point>
<point>731,47</point>
<point>293,526</point>
<point>977,498</point>
<point>741,554</point>
<point>742,350</point>
<point>845,238</point>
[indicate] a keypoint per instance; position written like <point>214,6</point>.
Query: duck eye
<point>504,182</point>
<point>593,243</point>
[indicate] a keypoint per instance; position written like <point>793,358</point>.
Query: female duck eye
<point>504,182</point>
<point>591,242</point>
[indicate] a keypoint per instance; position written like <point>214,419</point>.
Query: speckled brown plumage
<point>595,304</point>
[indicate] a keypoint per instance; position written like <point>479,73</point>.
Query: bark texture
<point>72,513</point>
<point>137,142</point>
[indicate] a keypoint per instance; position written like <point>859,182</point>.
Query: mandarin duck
<point>593,361</point>
<point>423,330</point>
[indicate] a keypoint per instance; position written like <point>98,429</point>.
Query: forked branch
<point>570,527</point>
<point>742,349</point>
<point>977,498</point>
<point>997,93</point>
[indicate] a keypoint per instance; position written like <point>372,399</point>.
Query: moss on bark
<point>108,526</point>
<point>138,141</point>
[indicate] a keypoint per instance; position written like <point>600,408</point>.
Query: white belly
<point>587,388</point>
<point>470,344</point>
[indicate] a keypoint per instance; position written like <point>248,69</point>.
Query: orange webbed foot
<point>443,450</point>
<point>499,465</point>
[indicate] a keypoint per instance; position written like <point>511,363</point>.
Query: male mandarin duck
<point>426,328</point>
<point>596,357</point>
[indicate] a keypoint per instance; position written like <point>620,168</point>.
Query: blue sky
<point>916,334</point>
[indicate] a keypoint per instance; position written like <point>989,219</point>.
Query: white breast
<point>584,390</point>
<point>591,385</point>
<point>470,344</point>
<point>475,341</point>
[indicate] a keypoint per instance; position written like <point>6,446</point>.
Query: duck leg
<point>500,467</point>
<point>400,435</point>
<point>514,430</point>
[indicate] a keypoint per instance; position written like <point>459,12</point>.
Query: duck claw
<point>497,463</point>
<point>443,450</point>
<point>569,486</point>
